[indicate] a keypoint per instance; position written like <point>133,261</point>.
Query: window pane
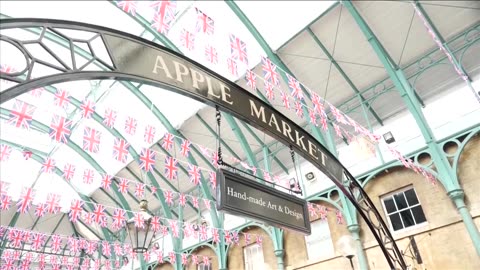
<point>411,197</point>
<point>400,200</point>
<point>418,214</point>
<point>396,222</point>
<point>390,205</point>
<point>407,218</point>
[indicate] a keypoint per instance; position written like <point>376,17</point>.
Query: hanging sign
<point>239,195</point>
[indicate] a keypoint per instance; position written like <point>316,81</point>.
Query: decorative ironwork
<point>66,67</point>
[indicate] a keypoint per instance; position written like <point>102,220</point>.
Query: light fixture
<point>388,137</point>
<point>141,236</point>
<point>346,246</point>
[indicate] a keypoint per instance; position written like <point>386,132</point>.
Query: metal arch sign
<point>143,61</point>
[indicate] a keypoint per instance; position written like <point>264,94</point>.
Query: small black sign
<point>239,195</point>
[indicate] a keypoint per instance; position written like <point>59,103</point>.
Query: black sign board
<point>239,195</point>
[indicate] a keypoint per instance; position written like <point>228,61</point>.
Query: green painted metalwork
<point>446,175</point>
<point>344,75</point>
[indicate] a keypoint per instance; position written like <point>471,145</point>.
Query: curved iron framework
<point>349,187</point>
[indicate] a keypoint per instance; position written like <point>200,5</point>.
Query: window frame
<point>245,248</point>
<point>319,239</point>
<point>391,195</point>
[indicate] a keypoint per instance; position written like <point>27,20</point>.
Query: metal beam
<point>344,75</point>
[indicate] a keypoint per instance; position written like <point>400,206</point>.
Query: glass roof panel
<point>285,18</point>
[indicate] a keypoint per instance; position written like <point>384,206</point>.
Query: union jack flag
<point>259,240</point>
<point>187,39</point>
<point>322,211</point>
<point>205,24</point>
<point>75,210</point>
<point>167,142</point>
<point>337,130</point>
<point>172,257</point>
<point>16,238</point>
<point>149,134</point>
<point>162,23</point>
<point>203,232</point>
<point>5,203</point>
<point>247,238</point>
<point>299,109</point>
<point>22,114</point>
<point>232,67</point>
<point>251,79</point>
<point>109,117</point>
<point>53,203</point>
<point>184,259</point>
<point>269,71</point>
<point>206,260</point>
<point>165,12</point>
<point>267,177</point>
<point>139,190</point>
<point>317,103</point>
<point>182,199</point>
<point>88,175</point>
<point>211,54</point>
<point>313,117</point>
<point>25,265</point>
<point>88,218</point>
<point>185,148</point>
<point>56,244</point>
<point>194,174</point>
<point>138,220</point>
<point>171,168</point>
<point>106,249</point>
<point>147,256</point>
<point>323,123</point>
<point>128,6</point>
<point>130,125</point>
<point>311,209</point>
<point>123,185</point>
<point>147,159</point>
<point>238,49</point>
<point>48,165</point>
<point>339,216</point>
<point>215,158</point>
<point>68,171</point>
<point>269,91</point>
<point>38,240</point>
<point>5,151</point>
<point>120,150</point>
<point>337,114</point>
<point>155,223</point>
<point>88,108</point>
<point>194,201</point>
<point>99,213</point>
<point>60,129</point>
<point>195,259</point>
<point>61,98</point>
<point>213,179</point>
<point>106,181</point>
<point>91,140</point>
<point>118,219</point>
<point>8,263</point>
<point>286,102</point>
<point>91,247</point>
<point>173,227</point>
<point>73,245</point>
<point>215,235</point>
<point>295,88</point>
<point>168,196</point>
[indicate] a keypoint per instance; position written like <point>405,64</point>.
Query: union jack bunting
<point>91,140</point>
<point>73,245</point>
<point>68,171</point>
<point>173,227</point>
<point>75,210</point>
<point>215,158</point>
<point>5,203</point>
<point>168,196</point>
<point>139,190</point>
<point>194,201</point>
<point>155,224</point>
<point>337,130</point>
<point>166,8</point>
<point>87,108</point>
<point>38,240</point>
<point>22,114</point>
<point>162,23</point>
<point>213,179</point>
<point>167,142</point>
<point>118,219</point>
<point>232,67</point>
<point>123,185</point>
<point>251,79</point>
<point>215,235</point>
<point>194,259</point>
<point>194,174</point>
<point>269,91</point>
<point>205,24</point>
<point>313,117</point>
<point>295,88</point>
<point>259,240</point>
<point>317,104</point>
<point>53,203</point>
<point>286,102</point>
<point>130,125</point>
<point>299,109</point>
<point>211,54</point>
<point>109,117</point>
<point>187,39</point>
<point>5,151</point>
<point>269,71</point>
<point>147,159</point>
<point>149,135</point>
<point>147,256</point>
<point>61,98</point>
<point>120,150</point>
<point>182,199</point>
<point>203,232</point>
<point>184,258</point>
<point>172,257</point>
<point>27,154</point>
<point>106,181</point>
<point>337,114</point>
<point>206,260</point>
<point>48,165</point>
<point>185,148</point>
<point>238,49</point>
<point>128,6</point>
<point>88,175</point>
<point>247,238</point>
<point>99,213</point>
<point>60,129</point>
<point>138,220</point>
<point>323,123</point>
<point>339,216</point>
<point>204,150</point>
<point>171,168</point>
<point>56,244</point>
<point>322,211</point>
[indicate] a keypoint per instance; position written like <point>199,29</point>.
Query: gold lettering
<point>210,88</point>
<point>224,89</point>
<point>324,157</point>
<point>179,72</point>
<point>273,119</point>
<point>196,78</point>
<point>299,140</point>
<point>160,64</point>
<point>258,113</point>
<point>287,130</point>
<point>312,149</point>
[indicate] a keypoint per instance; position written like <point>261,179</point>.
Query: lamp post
<point>346,246</point>
<point>140,237</point>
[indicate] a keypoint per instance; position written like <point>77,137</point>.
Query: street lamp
<point>141,237</point>
<point>346,247</point>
